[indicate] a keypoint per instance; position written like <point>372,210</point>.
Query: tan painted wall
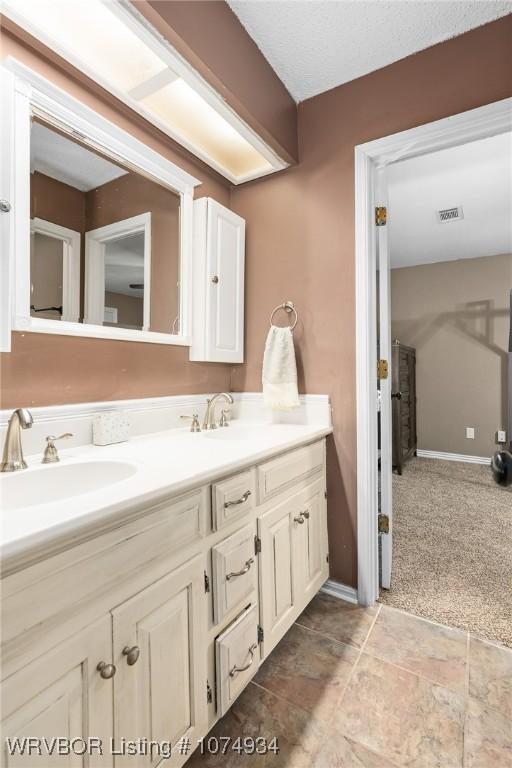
<point>129,309</point>
<point>300,232</point>
<point>37,371</point>
<point>456,315</point>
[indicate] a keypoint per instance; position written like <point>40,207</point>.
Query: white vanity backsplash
<point>149,415</point>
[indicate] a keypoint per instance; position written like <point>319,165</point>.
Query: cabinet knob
<point>107,671</point>
<point>215,279</point>
<point>305,514</point>
<point>132,654</point>
<point>5,206</point>
<point>299,519</point>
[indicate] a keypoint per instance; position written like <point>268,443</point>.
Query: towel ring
<point>288,307</point>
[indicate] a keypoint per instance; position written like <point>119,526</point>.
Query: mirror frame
<point>32,95</point>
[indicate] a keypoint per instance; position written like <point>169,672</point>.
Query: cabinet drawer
<point>277,474</point>
<point>234,571</point>
<point>232,498</point>
<point>237,657</point>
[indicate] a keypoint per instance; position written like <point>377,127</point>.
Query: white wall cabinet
<point>181,603</point>
<point>218,283</point>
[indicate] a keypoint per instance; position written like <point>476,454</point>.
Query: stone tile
<point>338,619</point>
<point>336,751</point>
<point>401,716</point>
<point>258,713</point>
<point>430,650</point>
<point>309,670</point>
<point>490,675</point>
<point>488,738</point>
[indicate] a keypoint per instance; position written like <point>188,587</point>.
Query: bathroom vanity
<point>143,608</point>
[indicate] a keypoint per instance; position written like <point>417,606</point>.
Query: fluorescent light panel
<point>110,45</point>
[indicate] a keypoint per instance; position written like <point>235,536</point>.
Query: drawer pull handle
<point>241,500</point>
<point>236,669</point>
<point>107,671</point>
<point>132,654</point>
<point>241,573</point>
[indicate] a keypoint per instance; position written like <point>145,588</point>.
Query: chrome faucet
<point>13,451</point>
<point>209,416</point>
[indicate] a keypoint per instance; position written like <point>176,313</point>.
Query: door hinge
<point>382,369</point>
<point>257,545</point>
<point>381,215</point>
<point>327,558</point>
<point>383,523</point>
<point>325,493</point>
<point>209,693</point>
<point>260,633</point>
<point>206,582</point>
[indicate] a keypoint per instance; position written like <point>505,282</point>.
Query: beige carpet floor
<point>452,547</point>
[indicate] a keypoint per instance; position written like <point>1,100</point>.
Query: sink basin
<point>60,481</point>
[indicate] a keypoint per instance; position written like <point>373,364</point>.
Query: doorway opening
<point>375,162</point>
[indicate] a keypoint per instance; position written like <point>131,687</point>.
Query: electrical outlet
<point>470,433</point>
<point>501,436</point>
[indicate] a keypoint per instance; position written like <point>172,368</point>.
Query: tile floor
<point>352,687</point>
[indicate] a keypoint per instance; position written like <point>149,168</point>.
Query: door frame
<point>489,120</point>
<point>96,241</point>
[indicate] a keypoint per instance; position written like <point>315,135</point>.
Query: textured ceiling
<point>69,162</point>
<point>476,176</point>
<point>314,45</point>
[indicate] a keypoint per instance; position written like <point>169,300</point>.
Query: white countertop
<point>164,464</point>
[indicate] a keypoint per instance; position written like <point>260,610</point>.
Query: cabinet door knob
<point>5,206</point>
<point>107,671</point>
<point>299,519</point>
<point>132,654</point>
<point>215,279</point>
<point>305,514</point>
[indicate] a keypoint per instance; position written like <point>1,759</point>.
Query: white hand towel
<point>280,370</point>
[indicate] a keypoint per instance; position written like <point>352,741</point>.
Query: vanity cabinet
<point>218,280</point>
<point>150,629</point>
<point>294,563</point>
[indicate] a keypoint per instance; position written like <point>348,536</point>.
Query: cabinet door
<point>312,546</point>
<point>160,688</point>
<point>225,292</point>
<point>61,694</point>
<point>277,572</point>
<point>293,563</point>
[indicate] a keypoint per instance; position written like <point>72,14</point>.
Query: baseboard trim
<point>453,457</point>
<point>342,591</point>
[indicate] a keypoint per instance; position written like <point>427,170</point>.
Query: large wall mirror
<point>108,232</point>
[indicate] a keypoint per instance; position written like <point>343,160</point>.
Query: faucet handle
<point>194,427</point>
<point>224,422</point>
<point>51,454</point>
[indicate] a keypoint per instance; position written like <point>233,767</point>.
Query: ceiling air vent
<point>450,214</point>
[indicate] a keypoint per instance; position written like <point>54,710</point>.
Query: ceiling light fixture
<point>115,46</point>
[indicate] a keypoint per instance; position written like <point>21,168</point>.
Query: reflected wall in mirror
<point>105,240</point>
